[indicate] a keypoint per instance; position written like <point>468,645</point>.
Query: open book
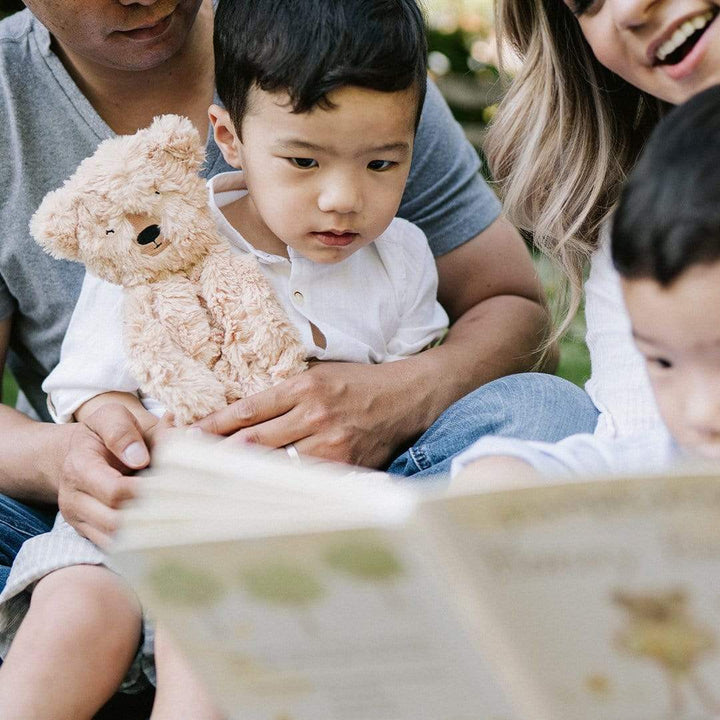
<point>311,592</point>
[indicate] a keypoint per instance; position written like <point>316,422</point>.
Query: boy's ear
<point>225,136</point>
<point>55,223</point>
<point>175,136</point>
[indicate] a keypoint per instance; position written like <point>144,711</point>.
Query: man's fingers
<point>274,433</point>
<point>108,486</point>
<point>249,411</point>
<point>95,521</point>
<point>117,427</point>
<point>99,480</point>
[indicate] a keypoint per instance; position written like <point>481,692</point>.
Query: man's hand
<point>344,412</point>
<point>94,479</point>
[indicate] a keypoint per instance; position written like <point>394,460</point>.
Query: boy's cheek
<point>669,407</point>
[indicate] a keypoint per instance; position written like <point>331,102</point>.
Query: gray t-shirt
<point>47,127</point>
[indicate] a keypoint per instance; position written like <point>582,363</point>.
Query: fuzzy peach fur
<point>202,325</point>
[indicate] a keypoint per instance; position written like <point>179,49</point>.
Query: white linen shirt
<point>378,305</point>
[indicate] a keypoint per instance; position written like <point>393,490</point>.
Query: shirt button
<point>299,298</point>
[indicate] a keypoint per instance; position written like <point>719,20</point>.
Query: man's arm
<point>81,466</point>
<point>363,413</point>
<point>498,314</point>
<point>26,447</point>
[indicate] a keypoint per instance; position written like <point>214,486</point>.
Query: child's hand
<point>494,472</point>
<point>157,430</point>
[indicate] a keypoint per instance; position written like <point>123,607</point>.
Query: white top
<point>619,385</point>
<point>580,455</point>
<point>378,305</point>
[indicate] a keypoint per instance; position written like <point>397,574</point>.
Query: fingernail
<point>135,455</point>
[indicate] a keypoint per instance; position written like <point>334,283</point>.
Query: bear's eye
<point>157,192</point>
<point>107,232</point>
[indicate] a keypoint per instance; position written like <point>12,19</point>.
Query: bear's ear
<point>177,137</point>
<point>54,224</point>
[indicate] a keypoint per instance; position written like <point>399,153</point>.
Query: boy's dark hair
<point>668,218</point>
<point>309,48</point>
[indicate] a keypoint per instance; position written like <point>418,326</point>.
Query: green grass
<point>574,361</point>
<point>9,389</point>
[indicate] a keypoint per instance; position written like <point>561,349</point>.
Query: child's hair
<point>564,136</point>
<point>668,217</point>
<point>309,48</point>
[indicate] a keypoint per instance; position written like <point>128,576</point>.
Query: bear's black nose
<point>148,235</point>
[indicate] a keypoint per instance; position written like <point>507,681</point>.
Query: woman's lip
<point>148,32</point>
<point>669,31</point>
<point>688,64</point>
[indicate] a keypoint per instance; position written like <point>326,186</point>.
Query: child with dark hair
<point>322,101</point>
<point>666,247</point>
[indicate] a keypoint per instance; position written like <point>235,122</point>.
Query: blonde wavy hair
<point>563,138</point>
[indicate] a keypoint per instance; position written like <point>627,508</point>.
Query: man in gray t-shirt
<point>72,74</point>
<point>49,126</point>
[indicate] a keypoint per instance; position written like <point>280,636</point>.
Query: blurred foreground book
<point>311,592</point>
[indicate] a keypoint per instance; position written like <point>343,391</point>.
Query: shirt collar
<point>225,188</point>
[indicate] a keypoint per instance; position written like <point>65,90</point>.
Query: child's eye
<point>660,363</point>
<point>303,163</point>
<point>380,165</point>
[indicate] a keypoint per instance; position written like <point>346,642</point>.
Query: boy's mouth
<point>679,45</point>
<point>336,238</point>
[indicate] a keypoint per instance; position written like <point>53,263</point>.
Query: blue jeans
<point>18,522</point>
<point>527,406</point>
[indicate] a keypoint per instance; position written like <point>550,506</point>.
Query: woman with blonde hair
<point>596,75</point>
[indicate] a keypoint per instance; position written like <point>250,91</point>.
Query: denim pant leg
<point>18,523</point>
<point>528,406</point>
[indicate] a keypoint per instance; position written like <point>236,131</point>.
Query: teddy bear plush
<point>202,326</point>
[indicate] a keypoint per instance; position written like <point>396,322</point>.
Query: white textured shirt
<point>580,455</point>
<point>619,384</point>
<point>378,305</point>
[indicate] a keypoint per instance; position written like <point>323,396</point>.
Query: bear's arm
<point>260,344</point>
<point>163,366</point>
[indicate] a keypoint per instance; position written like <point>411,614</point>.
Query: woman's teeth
<point>688,28</point>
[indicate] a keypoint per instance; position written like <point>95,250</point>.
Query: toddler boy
<point>321,104</point>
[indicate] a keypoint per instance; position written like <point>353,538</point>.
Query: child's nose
<point>340,195</point>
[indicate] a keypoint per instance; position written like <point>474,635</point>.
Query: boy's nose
<point>340,196</point>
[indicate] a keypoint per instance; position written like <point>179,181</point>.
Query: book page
<point>301,592</point>
<point>602,598</point>
<point>347,625</point>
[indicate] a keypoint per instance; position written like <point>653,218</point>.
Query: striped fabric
<point>62,547</point>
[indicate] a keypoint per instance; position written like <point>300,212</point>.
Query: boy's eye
<point>380,165</point>
<point>660,363</point>
<point>304,163</point>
